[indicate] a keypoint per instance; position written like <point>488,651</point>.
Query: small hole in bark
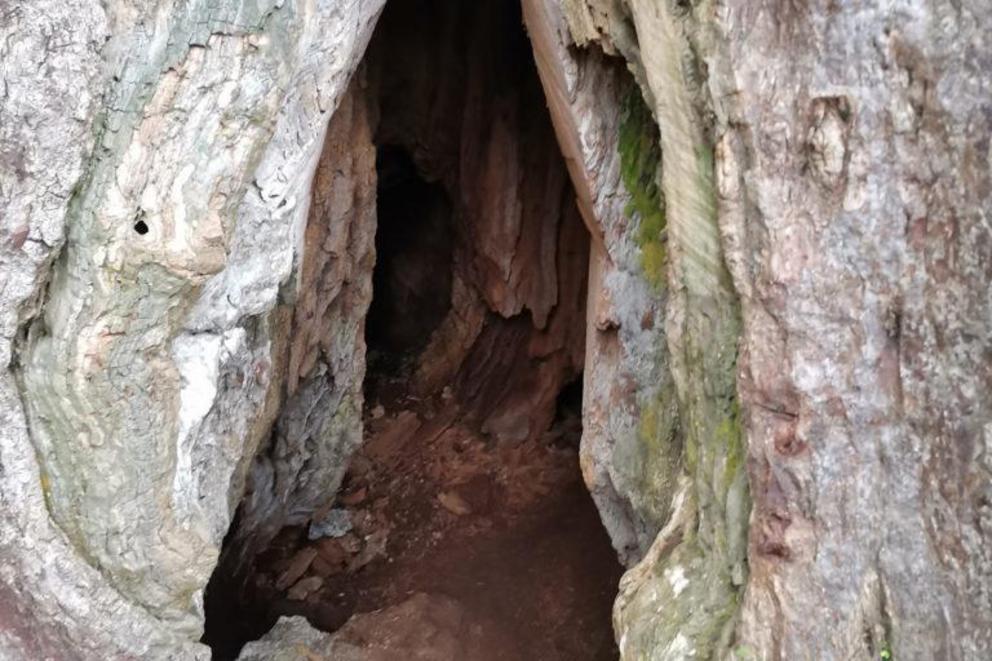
<point>141,227</point>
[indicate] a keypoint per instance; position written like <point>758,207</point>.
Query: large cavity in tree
<point>466,487</point>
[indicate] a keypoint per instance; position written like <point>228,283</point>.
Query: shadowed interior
<point>467,486</point>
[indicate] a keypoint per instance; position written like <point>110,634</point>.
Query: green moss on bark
<point>655,465</point>
<point>683,600</point>
<point>640,160</point>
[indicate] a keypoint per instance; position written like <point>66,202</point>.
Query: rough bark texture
<point>681,599</point>
<point>319,423</point>
<point>851,151</point>
<point>788,352</point>
<point>157,163</point>
<point>855,196</point>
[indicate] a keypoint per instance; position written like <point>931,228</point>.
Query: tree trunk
<point>787,425</point>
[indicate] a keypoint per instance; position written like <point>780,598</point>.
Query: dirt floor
<point>429,505</point>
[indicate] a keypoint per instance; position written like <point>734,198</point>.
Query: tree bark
<point>788,342</point>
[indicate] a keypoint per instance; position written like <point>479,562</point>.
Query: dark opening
<point>412,276</point>
<point>467,488</point>
<point>567,429</point>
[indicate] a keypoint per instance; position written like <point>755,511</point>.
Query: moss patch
<point>640,163</point>
<point>657,461</point>
<point>686,604</point>
<point>730,435</point>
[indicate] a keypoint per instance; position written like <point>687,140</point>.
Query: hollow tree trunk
<point>788,348</point>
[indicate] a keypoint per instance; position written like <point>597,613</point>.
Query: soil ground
<point>430,505</point>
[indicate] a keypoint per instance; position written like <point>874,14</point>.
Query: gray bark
<point>788,426</point>
<point>204,122</point>
<point>851,147</point>
<point>856,196</point>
